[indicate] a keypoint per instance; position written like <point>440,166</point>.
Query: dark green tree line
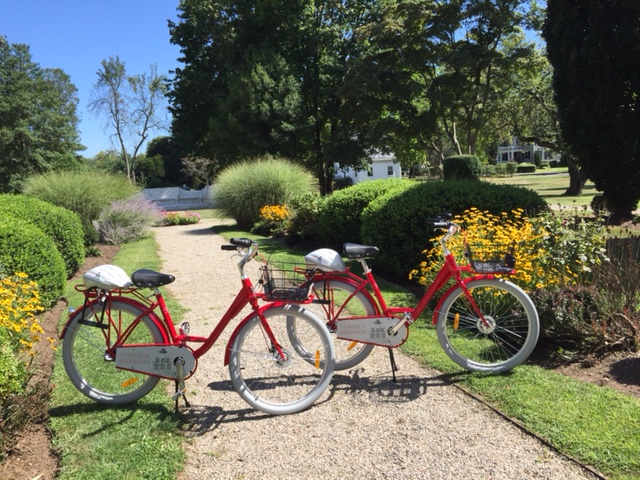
<point>38,120</point>
<point>594,47</point>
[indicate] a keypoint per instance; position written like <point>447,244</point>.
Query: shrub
<point>339,218</point>
<point>272,221</point>
<point>179,218</point>
<point>87,193</point>
<point>396,222</point>
<point>461,167</point>
<point>25,248</point>
<point>526,168</point>
<point>510,168</point>
<point>243,188</point>
<point>127,220</point>
<point>303,226</point>
<point>62,225</point>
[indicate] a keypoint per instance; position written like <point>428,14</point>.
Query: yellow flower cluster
<point>491,237</point>
<point>274,213</point>
<point>19,304</point>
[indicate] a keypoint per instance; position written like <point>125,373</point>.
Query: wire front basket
<point>285,282</point>
<point>491,258</point>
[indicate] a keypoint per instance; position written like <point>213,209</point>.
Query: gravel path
<point>364,426</point>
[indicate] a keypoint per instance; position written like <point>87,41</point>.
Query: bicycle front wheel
<point>277,378</point>
<point>505,338</point>
<point>334,299</point>
<point>84,352</point>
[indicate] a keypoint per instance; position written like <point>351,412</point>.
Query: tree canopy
<point>328,81</point>
<point>38,120</point>
<point>594,47</point>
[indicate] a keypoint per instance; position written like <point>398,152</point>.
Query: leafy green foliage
<point>596,80</point>
<point>62,225</point>
<point>304,221</point>
<point>402,215</point>
<point>339,219</point>
<point>25,248</point>
<point>86,193</point>
<point>245,187</point>
<point>38,121</point>
<point>461,167</point>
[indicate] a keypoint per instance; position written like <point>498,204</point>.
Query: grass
<point>550,185</point>
<point>139,441</point>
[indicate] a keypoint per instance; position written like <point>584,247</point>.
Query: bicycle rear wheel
<point>506,339</point>
<point>285,384</point>
<point>90,368</point>
<point>332,301</point>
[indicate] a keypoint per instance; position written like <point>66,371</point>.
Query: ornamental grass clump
<point>127,220</point>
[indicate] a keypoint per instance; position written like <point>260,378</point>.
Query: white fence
<point>176,198</point>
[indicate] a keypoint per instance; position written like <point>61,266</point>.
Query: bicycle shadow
<point>201,419</point>
<point>161,412</point>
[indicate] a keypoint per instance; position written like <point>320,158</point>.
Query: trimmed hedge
<point>25,248</point>
<point>62,225</point>
<point>395,222</point>
<point>461,167</point>
<point>339,218</point>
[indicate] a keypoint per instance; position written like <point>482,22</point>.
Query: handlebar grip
<point>438,222</point>
<point>228,247</point>
<point>241,242</point>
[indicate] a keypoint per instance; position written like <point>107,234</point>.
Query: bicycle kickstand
<point>181,390</point>
<point>394,367</point>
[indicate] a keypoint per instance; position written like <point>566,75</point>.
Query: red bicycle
<point>483,323</point>
<point>119,343</point>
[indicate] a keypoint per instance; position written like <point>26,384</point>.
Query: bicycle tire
<point>330,303</point>
<point>505,343</point>
<point>270,383</point>
<point>84,347</point>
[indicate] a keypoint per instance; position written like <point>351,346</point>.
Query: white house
<point>517,152</point>
<point>381,166</point>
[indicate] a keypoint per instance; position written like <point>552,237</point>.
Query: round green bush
<point>243,188</point>
<point>396,224</point>
<point>62,225</point>
<point>461,167</point>
<point>339,218</point>
<point>25,248</point>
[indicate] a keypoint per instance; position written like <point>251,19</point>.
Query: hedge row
<point>392,214</point>
<point>42,240</point>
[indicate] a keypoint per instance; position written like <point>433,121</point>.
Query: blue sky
<point>76,35</point>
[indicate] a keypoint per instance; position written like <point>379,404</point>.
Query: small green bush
<point>87,193</point>
<point>243,188</point>
<point>339,218</point>
<point>511,168</point>
<point>127,220</point>
<point>303,226</point>
<point>25,248</point>
<point>461,167</point>
<point>396,222</point>
<point>62,225</point>
<point>526,168</point>
<point>13,374</point>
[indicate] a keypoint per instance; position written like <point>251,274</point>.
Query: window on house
<point>390,170</point>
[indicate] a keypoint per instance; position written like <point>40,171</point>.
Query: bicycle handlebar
<point>240,244</point>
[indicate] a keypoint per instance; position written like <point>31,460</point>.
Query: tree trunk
<point>577,178</point>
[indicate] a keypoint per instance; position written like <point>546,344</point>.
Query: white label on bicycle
<point>373,330</point>
<point>156,360</point>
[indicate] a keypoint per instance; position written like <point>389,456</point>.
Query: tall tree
<point>594,47</point>
<point>435,73</point>
<point>263,77</point>
<point>134,107</point>
<point>38,121</point>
